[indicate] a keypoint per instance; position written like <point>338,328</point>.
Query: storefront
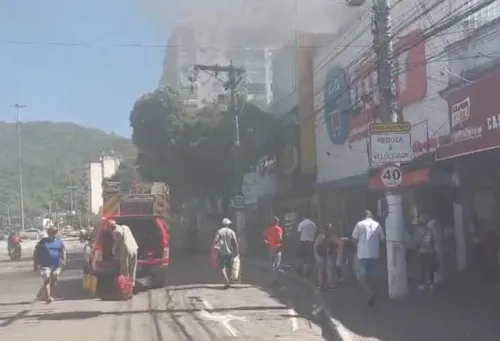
<point>425,190</point>
<point>342,203</point>
<point>473,150</point>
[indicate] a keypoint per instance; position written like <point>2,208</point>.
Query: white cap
<point>226,222</point>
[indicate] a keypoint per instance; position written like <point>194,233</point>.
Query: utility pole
<point>72,188</point>
<point>20,160</point>
<point>234,77</point>
<point>389,112</point>
<point>7,206</point>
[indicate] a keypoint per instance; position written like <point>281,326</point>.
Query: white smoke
<point>266,20</point>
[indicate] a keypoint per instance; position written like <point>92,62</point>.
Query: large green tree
<point>193,150</point>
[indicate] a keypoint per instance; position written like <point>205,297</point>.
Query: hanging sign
<point>391,176</point>
<point>390,142</point>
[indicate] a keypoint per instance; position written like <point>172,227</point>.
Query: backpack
<point>324,248</point>
<point>41,251</point>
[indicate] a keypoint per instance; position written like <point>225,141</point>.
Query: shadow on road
<point>3,304</point>
<point>185,274</point>
<point>78,315</point>
<point>70,289</point>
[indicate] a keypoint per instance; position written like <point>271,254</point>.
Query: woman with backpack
<point>325,247</point>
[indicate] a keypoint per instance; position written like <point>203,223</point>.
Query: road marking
<point>293,317</point>
<point>224,320</point>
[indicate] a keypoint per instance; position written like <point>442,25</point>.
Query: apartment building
<point>194,40</point>
<point>206,39</point>
<point>103,167</point>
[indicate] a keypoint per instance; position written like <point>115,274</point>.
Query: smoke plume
<point>262,20</point>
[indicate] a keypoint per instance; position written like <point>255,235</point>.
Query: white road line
<point>293,317</point>
<point>227,326</point>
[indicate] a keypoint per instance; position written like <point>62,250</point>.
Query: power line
<point>18,107</point>
<point>159,46</point>
<point>434,30</point>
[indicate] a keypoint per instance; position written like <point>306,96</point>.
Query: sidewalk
<point>451,312</point>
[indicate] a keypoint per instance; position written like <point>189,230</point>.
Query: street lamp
<point>8,211</point>
<point>20,159</point>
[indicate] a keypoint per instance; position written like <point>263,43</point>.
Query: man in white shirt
<point>125,249</point>
<point>307,231</point>
<point>368,235</point>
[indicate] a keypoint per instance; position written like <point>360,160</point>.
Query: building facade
<point>471,150</point>
<point>206,39</point>
<point>98,170</point>
<point>194,40</point>
<point>347,101</point>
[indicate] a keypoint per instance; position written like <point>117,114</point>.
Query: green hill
<point>54,157</point>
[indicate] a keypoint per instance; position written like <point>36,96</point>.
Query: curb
<point>332,329</point>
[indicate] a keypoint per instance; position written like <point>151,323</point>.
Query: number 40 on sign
<point>391,176</point>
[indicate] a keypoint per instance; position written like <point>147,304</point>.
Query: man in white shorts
<point>50,256</point>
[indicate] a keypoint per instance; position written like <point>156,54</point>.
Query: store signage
<point>421,147</point>
<point>391,176</point>
<point>493,122</point>
<point>474,117</point>
<point>390,142</point>
<point>460,112</point>
<point>346,88</point>
<point>468,133</point>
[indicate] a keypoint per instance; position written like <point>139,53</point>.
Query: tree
<point>193,150</point>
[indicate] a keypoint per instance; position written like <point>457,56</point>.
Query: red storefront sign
<point>411,82</point>
<point>474,112</point>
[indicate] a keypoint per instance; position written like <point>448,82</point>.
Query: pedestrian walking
<point>50,257</point>
<point>346,259</point>
<point>273,237</point>
<point>325,247</point>
<point>368,235</point>
<point>426,249</point>
<point>307,233</point>
<point>125,250</point>
<point>226,243</point>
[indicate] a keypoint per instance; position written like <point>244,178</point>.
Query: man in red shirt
<point>273,237</point>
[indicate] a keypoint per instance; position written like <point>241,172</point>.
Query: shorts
<point>367,267</point>
<point>274,259</point>
<point>50,273</point>
<point>305,250</point>
<point>226,262</point>
<point>328,261</point>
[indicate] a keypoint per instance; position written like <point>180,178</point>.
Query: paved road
<point>72,244</point>
<point>192,307</point>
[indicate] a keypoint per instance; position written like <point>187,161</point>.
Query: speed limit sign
<point>391,176</point>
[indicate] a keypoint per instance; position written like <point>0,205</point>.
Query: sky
<point>94,84</point>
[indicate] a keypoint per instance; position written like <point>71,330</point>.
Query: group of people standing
<point>50,257</point>
<point>334,258</point>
